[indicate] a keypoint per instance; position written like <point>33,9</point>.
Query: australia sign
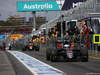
<point>37,6</point>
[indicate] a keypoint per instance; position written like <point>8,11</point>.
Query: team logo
<point>68,4</point>
<point>60,3</point>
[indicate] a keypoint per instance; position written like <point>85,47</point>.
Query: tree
<point>15,20</point>
<point>5,23</point>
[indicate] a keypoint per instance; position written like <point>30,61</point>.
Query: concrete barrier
<point>94,53</point>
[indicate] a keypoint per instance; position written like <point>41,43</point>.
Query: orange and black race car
<point>67,48</point>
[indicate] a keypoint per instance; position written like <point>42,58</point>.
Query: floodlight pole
<point>34,20</point>
<point>61,19</point>
<point>46,25</point>
<point>0,14</point>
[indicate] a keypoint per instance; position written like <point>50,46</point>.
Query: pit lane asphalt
<point>70,68</point>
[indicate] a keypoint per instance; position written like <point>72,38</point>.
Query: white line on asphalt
<point>36,66</point>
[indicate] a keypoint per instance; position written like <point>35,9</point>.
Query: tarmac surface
<point>5,65</point>
<point>9,65</point>
<point>92,67</point>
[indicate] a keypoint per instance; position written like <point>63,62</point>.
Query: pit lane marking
<point>94,57</point>
<point>36,66</point>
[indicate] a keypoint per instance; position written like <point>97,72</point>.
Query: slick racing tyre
<point>84,55</point>
<point>36,48</point>
<point>48,54</point>
<point>53,55</point>
<point>23,49</point>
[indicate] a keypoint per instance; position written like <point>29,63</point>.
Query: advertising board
<point>68,4</point>
<point>37,6</point>
<point>2,37</point>
<point>16,36</point>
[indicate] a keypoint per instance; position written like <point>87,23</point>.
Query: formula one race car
<point>67,48</point>
<point>31,46</point>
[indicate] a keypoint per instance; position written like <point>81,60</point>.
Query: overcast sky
<point>9,7</point>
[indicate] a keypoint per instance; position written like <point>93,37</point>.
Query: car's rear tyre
<point>36,48</point>
<point>23,49</point>
<point>53,55</point>
<point>84,55</point>
<point>85,59</point>
<point>48,54</point>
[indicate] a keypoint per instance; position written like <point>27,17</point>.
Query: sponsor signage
<point>3,36</point>
<point>79,23</point>
<point>96,38</point>
<point>16,36</point>
<point>37,6</point>
<point>68,4</point>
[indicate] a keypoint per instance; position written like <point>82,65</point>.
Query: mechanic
<point>3,46</point>
<point>77,31</point>
<point>71,31</point>
<point>85,32</point>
